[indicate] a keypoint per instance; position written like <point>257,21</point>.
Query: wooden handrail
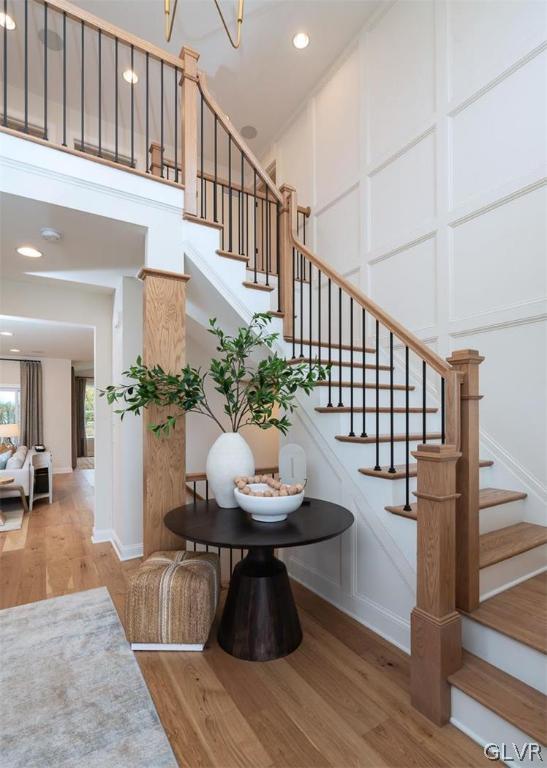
<point>111,30</point>
<point>238,140</point>
<point>407,337</point>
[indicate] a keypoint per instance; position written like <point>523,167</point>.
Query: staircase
<point>394,429</point>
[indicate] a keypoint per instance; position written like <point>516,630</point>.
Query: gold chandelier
<point>170,18</point>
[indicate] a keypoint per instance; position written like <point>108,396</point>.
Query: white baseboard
<point>123,551</point>
<point>167,646</point>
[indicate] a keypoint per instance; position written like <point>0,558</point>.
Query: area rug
<point>73,694</point>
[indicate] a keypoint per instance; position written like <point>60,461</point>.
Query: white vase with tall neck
<point>229,457</point>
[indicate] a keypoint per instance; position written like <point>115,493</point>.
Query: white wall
<point>423,155</point>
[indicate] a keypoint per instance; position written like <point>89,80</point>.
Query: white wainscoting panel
<point>337,231</point>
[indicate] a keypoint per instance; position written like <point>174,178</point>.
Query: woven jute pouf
<point>172,601</point>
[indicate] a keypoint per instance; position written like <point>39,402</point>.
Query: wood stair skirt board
<point>508,542</point>
<point>336,363</point>
<point>257,286</point>
<point>511,699</point>
<point>370,409</point>
<point>324,345</point>
<point>233,256</point>
<point>368,385</point>
<point>400,469</point>
<point>485,500</point>
<point>519,612</point>
<point>199,220</point>
<point>387,438</point>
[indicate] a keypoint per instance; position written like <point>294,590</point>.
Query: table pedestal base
<point>260,621</point>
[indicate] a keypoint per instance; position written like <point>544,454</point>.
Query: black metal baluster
<point>215,169</point>
<point>132,107</point>
<point>267,233</point>
<point>230,211</point>
<point>147,116</point>
<point>64,78</point>
<point>364,387</point>
<point>351,432</point>
<point>241,209</point>
<point>100,90</point>
<point>391,440</point>
<point>116,137</point>
<point>206,490</point>
<point>26,66</point>
<point>45,70</point>
<point>424,408</point>
<point>407,435</point>
<point>231,561</point>
<point>162,148</point>
<point>246,224</point>
<point>82,90</point>
<point>176,126</point>
<point>443,428</point>
<point>5,94</point>
<point>277,246</point>
<point>301,307</point>
<point>202,183</point>
<point>293,302</point>
<point>222,214</point>
<point>377,466</point>
<point>329,301</point>
<point>194,491</point>
<point>310,315</point>
<point>319,314</point>
<point>255,238</point>
<point>340,401</point>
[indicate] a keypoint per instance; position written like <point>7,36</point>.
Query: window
<point>10,405</point>
<point>89,409</point>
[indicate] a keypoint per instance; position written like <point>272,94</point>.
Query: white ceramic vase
<point>229,457</point>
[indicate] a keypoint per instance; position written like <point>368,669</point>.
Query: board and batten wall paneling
<point>426,154</point>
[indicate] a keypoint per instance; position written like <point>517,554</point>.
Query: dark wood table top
<point>206,523</point>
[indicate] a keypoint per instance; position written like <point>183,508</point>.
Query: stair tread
<point>519,612</point>
<point>335,363</point>
<point>486,495</point>
<point>511,699</point>
<point>370,409</point>
<point>508,542</point>
<point>257,286</point>
<point>368,385</point>
<point>400,469</point>
<point>325,345</point>
<point>232,255</point>
<point>387,438</point>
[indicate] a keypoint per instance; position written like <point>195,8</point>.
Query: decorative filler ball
<point>275,487</point>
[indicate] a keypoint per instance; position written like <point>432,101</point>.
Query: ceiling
<point>40,338</point>
<point>93,250</point>
<point>267,79</point>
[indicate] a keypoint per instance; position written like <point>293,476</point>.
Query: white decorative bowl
<point>268,509</point>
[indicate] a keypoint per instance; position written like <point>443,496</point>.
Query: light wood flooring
<point>340,700</point>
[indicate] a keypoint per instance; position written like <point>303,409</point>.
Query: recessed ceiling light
<point>6,333</point>
<point>130,77</point>
<point>249,132</point>
<point>301,40</point>
<point>28,250</point>
<point>6,21</point>
<point>15,350</point>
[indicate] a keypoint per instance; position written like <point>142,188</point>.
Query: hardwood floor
<point>340,700</point>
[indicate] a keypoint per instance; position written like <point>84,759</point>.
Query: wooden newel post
<point>164,458</point>
<point>466,362</point>
<point>286,227</point>
<point>435,624</point>
<point>155,159</point>
<point>189,130</point>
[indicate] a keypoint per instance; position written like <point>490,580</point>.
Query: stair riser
<point>355,456</point>
<point>502,515</point>
<point>517,659</point>
<point>497,577</point>
<point>340,423</point>
<point>486,727</point>
<point>383,399</point>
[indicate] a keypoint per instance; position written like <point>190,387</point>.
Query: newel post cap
<point>465,357</point>
<point>433,452</point>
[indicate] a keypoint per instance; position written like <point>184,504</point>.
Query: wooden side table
<point>8,484</point>
<point>42,460</point>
